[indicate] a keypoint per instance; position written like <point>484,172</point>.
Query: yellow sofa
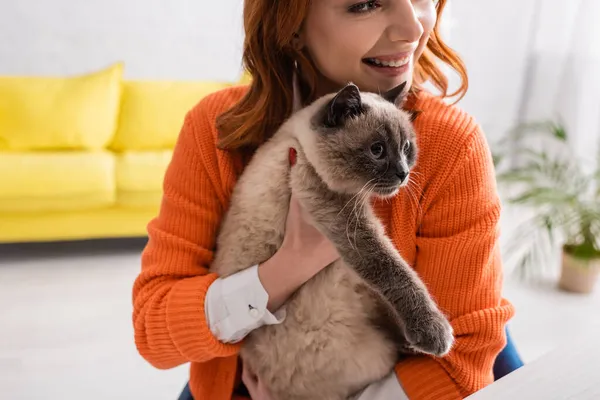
<point>83,157</point>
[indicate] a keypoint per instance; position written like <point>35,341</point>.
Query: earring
<point>296,41</point>
<point>297,98</point>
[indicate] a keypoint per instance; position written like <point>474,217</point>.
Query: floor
<point>66,329</point>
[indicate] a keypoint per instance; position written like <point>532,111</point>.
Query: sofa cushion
<point>152,112</point>
<point>49,113</point>
<point>140,177</point>
<point>56,181</point>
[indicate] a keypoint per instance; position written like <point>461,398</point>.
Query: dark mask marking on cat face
<point>365,138</point>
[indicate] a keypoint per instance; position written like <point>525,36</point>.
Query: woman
<point>445,226</point>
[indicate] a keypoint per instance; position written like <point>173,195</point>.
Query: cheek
<point>360,167</point>
<point>327,49</point>
<point>335,44</point>
<point>427,16</point>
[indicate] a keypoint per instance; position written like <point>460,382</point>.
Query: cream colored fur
<point>327,347</point>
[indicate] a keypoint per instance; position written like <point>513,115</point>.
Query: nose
<point>404,23</point>
<point>401,173</point>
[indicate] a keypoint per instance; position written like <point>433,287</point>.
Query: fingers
<point>251,381</point>
<point>249,376</point>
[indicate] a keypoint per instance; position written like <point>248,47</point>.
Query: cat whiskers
<point>358,198</point>
<point>346,205</point>
<point>355,196</point>
<point>417,173</point>
<point>354,217</point>
<point>363,204</point>
<point>411,184</point>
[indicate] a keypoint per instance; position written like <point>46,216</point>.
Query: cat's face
<point>363,141</point>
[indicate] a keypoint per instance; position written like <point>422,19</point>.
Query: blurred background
<point>79,185</point>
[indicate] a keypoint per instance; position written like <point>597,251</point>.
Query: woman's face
<point>373,44</point>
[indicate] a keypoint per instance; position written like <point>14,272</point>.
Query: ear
<point>346,104</point>
<point>396,95</point>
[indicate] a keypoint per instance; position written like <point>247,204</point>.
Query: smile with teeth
<point>391,63</point>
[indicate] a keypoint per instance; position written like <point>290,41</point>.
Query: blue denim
<point>507,361</point>
<point>186,394</point>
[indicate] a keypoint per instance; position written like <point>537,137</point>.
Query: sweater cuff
<point>187,323</point>
<point>423,378</point>
<point>237,305</point>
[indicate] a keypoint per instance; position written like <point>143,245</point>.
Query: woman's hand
<point>255,387</point>
<point>302,239</point>
<point>303,253</point>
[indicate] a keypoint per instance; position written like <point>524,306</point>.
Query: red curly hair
<point>269,58</point>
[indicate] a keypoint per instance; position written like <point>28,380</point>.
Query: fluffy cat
<point>346,327</point>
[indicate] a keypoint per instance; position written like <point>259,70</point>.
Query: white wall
<point>155,38</point>
<point>191,39</point>
<point>565,83</point>
<point>492,37</point>
<point>202,39</point>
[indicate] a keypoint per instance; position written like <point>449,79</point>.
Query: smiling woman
<point>334,42</point>
<point>444,223</point>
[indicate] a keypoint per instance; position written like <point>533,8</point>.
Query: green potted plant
<point>543,176</point>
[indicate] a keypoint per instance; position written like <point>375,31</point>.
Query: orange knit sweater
<point>445,225</point>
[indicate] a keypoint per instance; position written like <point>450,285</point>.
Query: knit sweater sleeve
<point>168,295</point>
<point>459,260</point>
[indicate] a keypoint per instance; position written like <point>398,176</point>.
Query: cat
<point>347,326</point>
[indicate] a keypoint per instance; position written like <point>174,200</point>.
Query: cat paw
<point>430,334</point>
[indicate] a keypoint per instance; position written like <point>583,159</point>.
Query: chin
<point>344,187</point>
<point>386,193</point>
<point>395,81</point>
<point>379,83</point>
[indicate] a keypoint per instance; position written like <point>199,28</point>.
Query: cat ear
<point>346,104</point>
<point>396,95</point>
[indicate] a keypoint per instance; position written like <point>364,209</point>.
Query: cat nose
<point>401,174</point>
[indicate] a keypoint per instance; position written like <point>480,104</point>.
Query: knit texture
<point>445,224</point>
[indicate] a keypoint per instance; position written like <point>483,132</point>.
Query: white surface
<point>570,372</point>
<point>67,331</point>
<point>385,389</point>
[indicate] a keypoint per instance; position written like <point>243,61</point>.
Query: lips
<point>389,62</point>
<point>390,66</point>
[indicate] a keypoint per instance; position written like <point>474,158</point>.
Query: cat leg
<point>376,261</point>
<point>426,328</point>
<point>362,244</point>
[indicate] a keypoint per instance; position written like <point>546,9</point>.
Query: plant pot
<point>578,275</point>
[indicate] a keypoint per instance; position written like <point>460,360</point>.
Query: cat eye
<point>378,150</point>
<point>406,147</point>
